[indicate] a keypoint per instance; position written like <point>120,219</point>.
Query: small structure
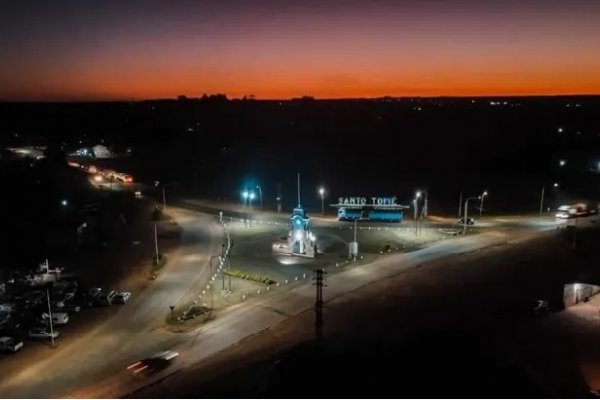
<point>575,293</point>
<point>300,240</point>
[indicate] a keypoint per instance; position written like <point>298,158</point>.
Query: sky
<point>79,50</point>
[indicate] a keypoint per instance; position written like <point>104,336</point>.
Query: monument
<point>300,240</point>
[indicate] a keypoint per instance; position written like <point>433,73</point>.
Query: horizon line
<point>303,97</point>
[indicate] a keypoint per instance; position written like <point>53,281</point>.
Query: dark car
<point>153,364</point>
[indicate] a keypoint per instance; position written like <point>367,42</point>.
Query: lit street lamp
<point>245,195</point>
<point>64,203</point>
<point>322,193</point>
<point>562,163</point>
<point>251,196</point>
<point>416,211</point>
<point>485,193</point>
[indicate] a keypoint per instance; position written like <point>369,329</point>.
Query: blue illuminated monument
<point>300,241</point>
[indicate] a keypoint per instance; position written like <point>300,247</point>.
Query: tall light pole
<point>466,217</point>
<point>260,194</point>
<point>156,245</point>
<point>542,200</point>
<point>485,193</point>
<point>460,204</point>
<point>416,210</point>
<point>322,193</point>
<point>50,316</point>
<point>250,198</point>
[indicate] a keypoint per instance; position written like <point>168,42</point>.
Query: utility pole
<point>164,199</point>
<point>460,204</point>
<point>156,245</point>
<point>574,243</point>
<point>223,258</point>
<point>229,267</point>
<point>319,304</point>
<point>416,215</point>
<point>542,201</point>
<point>50,316</point>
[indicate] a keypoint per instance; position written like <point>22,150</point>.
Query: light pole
<point>416,211</point>
<point>260,194</point>
<point>245,195</point>
<point>251,196</point>
<point>485,193</point>
<point>542,200</point>
<point>50,316</point>
<point>460,204</point>
<point>322,193</point>
<point>467,213</point>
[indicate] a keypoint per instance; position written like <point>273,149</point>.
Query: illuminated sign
<point>363,201</point>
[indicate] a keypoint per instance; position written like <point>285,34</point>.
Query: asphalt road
<point>130,334</point>
<point>94,364</point>
<point>260,313</point>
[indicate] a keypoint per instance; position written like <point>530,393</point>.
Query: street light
<point>64,203</point>
<point>485,193</point>
<point>467,212</point>
<point>555,185</point>
<point>260,194</point>
<point>322,193</point>
<point>562,163</point>
<point>251,196</point>
<point>416,211</point>
<point>245,196</point>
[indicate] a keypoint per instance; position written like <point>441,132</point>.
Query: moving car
<point>8,344</point>
<point>42,333</point>
<point>154,363</point>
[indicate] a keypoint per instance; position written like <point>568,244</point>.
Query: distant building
<point>101,151</point>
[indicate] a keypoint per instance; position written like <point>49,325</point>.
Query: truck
<point>8,344</point>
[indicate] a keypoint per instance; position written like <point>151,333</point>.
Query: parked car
<point>8,344</point>
<point>42,333</point>
<point>105,299</point>
<point>71,308</point>
<point>122,297</point>
<point>58,318</point>
<point>95,291</point>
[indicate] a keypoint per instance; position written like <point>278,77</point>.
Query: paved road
<point>260,313</point>
<point>94,365</point>
<point>130,334</point>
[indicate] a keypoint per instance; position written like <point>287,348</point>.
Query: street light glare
<point>321,191</point>
<point>555,184</point>
<point>251,195</point>
<point>485,193</point>
<point>418,194</point>
<point>245,194</point>
<point>562,163</point>
<point>64,203</point>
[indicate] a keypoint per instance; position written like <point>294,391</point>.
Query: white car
<point>58,318</point>
<point>121,297</point>
<point>10,344</point>
<point>42,333</point>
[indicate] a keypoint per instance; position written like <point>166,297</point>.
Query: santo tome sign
<point>363,201</point>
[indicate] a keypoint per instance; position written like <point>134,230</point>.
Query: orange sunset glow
<point>357,50</point>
